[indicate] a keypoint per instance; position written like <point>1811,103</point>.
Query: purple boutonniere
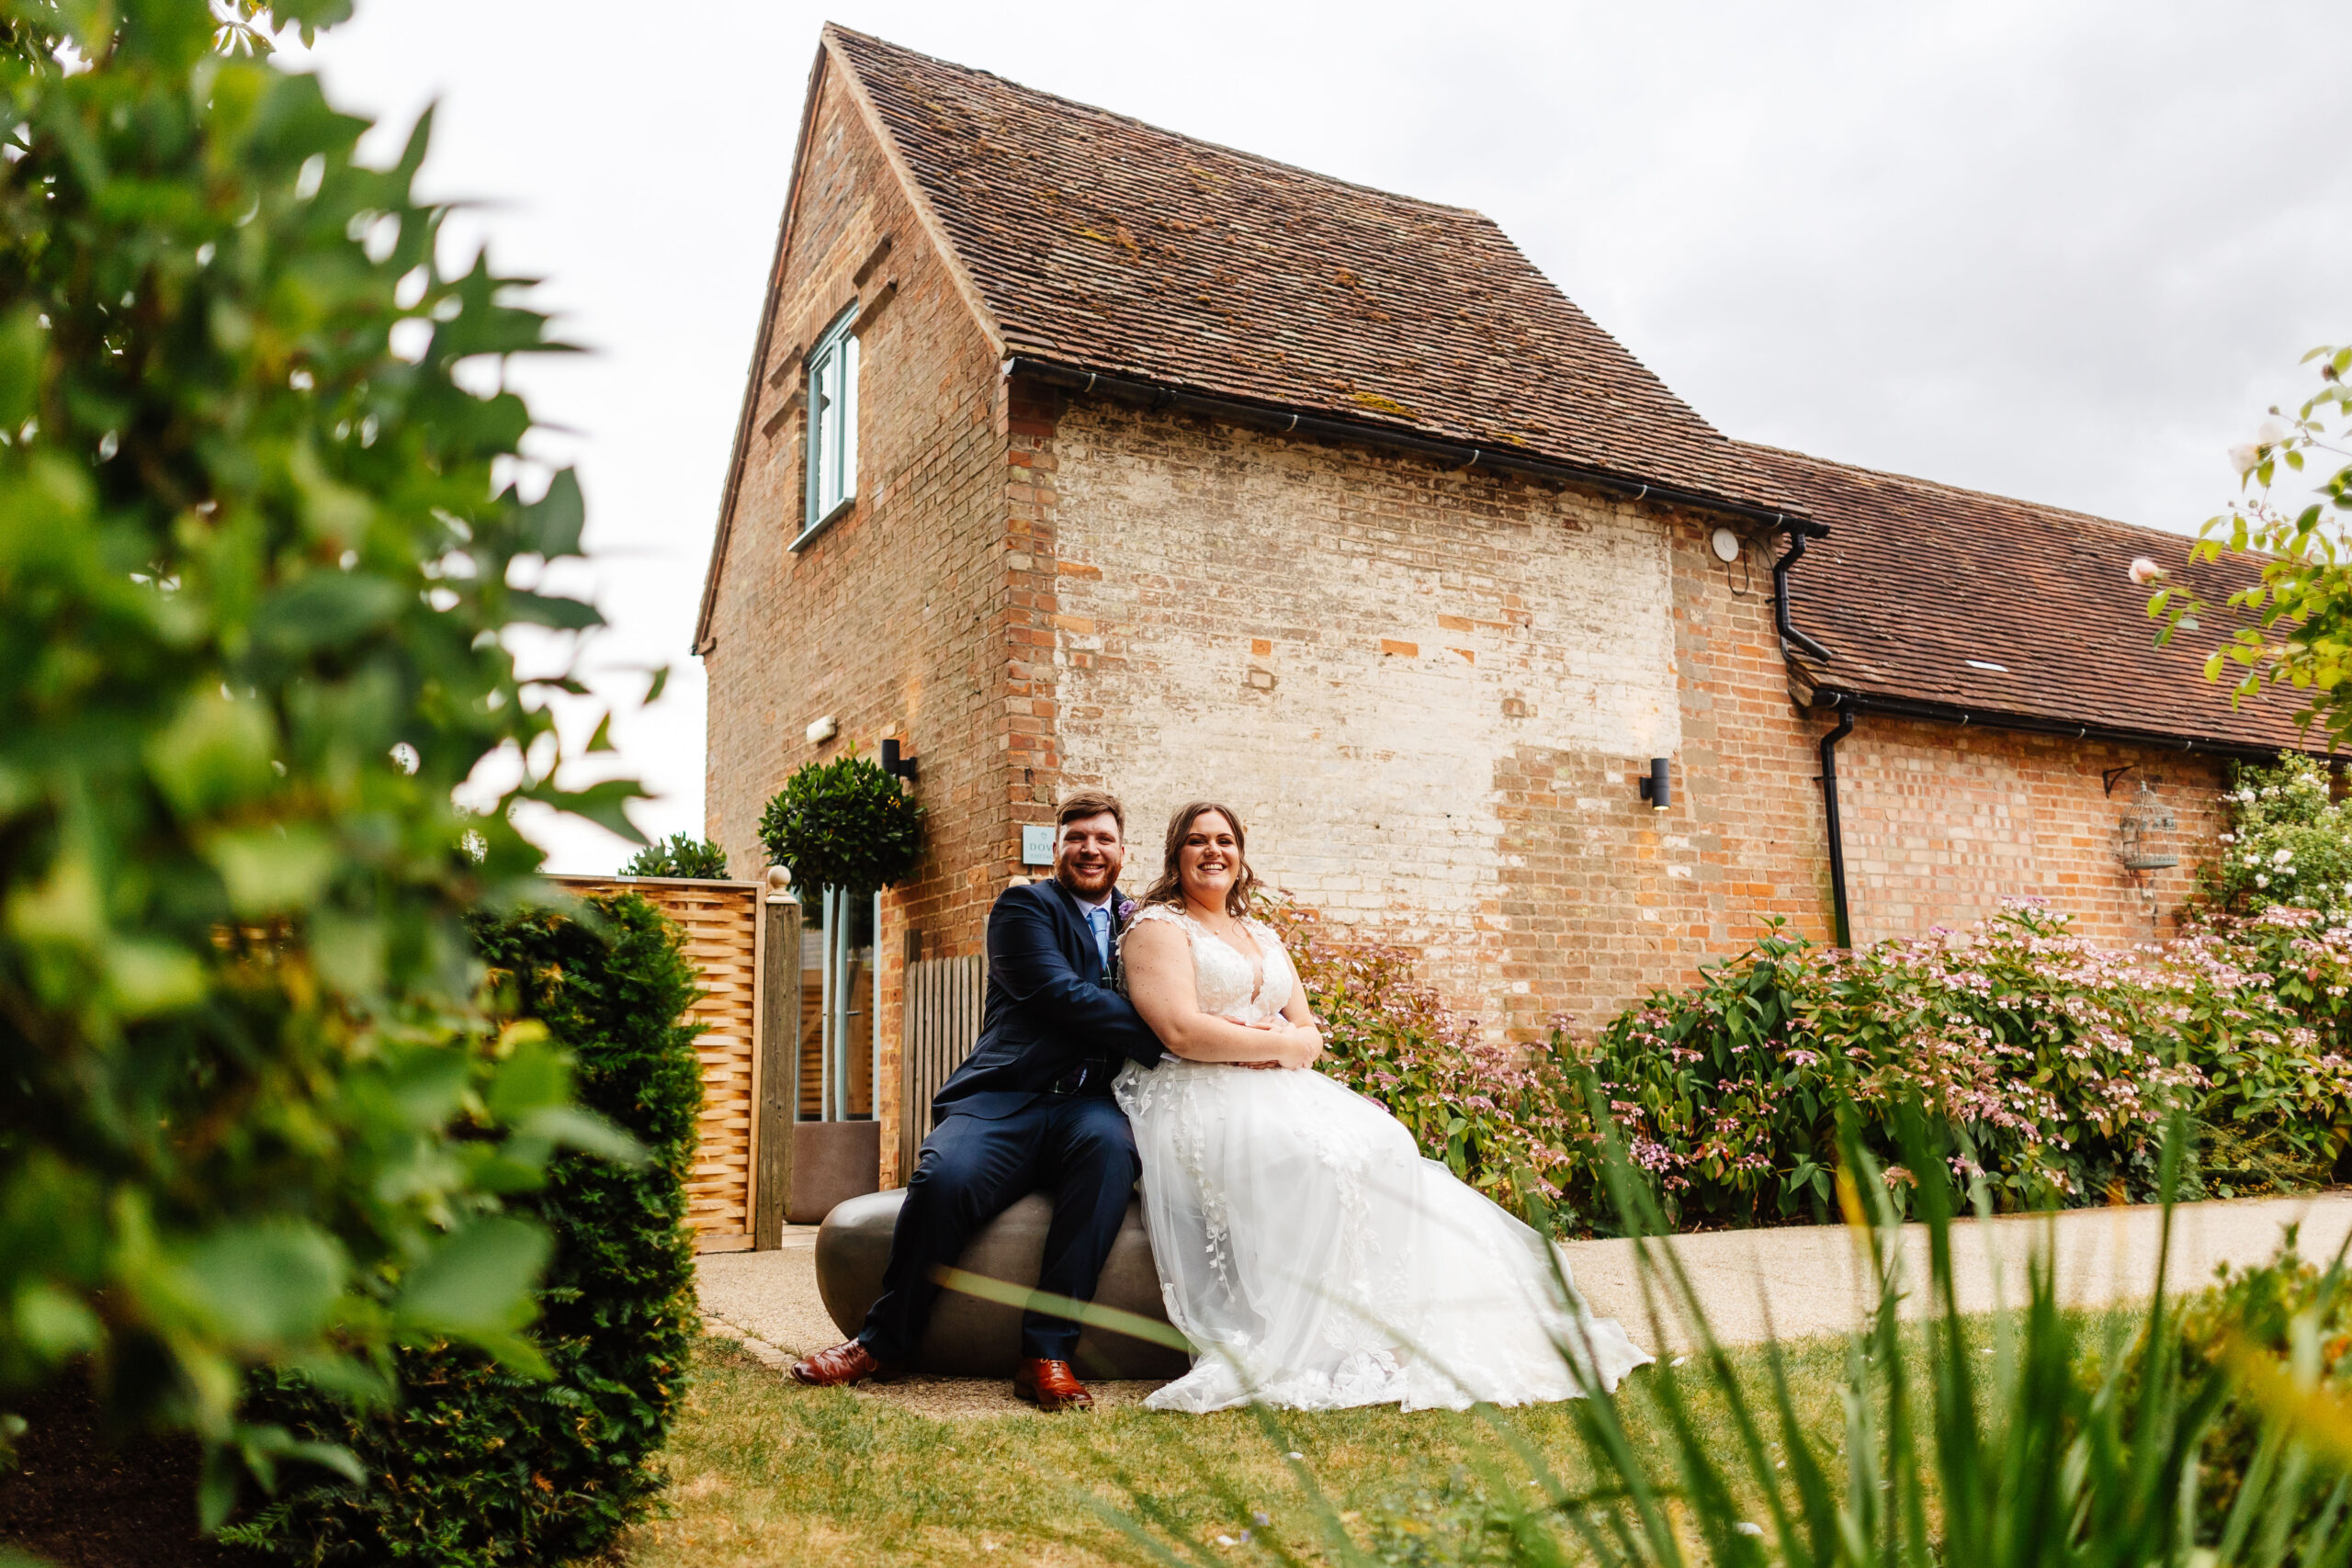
<point>1127,910</point>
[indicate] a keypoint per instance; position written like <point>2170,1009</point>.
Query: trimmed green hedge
<point>680,854</point>
<point>481,1467</point>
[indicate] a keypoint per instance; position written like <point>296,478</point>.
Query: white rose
<point>2284,857</point>
<point>2145,571</point>
<point>2243,459</point>
<point>2270,432</point>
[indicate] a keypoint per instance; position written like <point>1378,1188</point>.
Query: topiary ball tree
<point>844,824</point>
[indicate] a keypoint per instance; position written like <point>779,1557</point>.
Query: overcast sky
<point>2066,252</point>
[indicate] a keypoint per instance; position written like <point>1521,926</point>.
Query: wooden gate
<point>942,1012</point>
<point>724,922</point>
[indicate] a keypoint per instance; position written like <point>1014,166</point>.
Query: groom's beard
<point>1088,886</point>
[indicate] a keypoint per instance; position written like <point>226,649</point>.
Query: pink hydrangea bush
<point>2054,1061</point>
<point>1500,1118</point>
<point>2273,1034</point>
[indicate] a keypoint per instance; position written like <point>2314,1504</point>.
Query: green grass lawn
<point>765,1472</point>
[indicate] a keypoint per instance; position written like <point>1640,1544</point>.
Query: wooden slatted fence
<point>723,924</point>
<point>941,1011</point>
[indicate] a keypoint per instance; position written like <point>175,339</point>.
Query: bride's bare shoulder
<point>1157,922</point>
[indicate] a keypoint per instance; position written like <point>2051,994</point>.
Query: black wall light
<point>1656,789</point>
<point>896,764</point>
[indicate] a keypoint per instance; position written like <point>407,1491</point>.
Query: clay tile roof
<point>1917,580</point>
<point>1107,244</point>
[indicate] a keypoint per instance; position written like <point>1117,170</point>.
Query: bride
<point>1305,1248</point>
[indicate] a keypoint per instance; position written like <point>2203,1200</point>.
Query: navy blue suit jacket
<point>1049,1009</point>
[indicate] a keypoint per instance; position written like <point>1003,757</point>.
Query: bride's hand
<point>1301,1044</point>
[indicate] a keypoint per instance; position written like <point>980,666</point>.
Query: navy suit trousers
<point>972,1169</point>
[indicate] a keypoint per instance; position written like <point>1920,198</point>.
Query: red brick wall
<point>1431,694</point>
<point>1029,624</point>
<point>1603,896</point>
<point>890,619</point>
<point>1942,823</point>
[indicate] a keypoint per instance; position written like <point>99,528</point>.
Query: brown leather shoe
<point>838,1368</point>
<point>1050,1386</point>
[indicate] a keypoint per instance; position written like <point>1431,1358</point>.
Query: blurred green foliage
<point>480,1467</point>
<point>681,854</point>
<point>2293,627</point>
<point>260,548</point>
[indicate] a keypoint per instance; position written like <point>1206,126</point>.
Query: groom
<point>1029,1107</point>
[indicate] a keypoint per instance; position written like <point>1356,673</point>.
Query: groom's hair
<point>1089,802</point>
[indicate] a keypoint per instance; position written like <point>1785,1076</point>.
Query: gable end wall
<point>891,619</point>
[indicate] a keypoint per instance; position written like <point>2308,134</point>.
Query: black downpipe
<point>1836,834</point>
<point>1789,636</point>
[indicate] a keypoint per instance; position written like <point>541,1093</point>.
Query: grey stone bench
<point>971,1337</point>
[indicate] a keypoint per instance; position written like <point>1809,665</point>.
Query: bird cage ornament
<point>2138,842</point>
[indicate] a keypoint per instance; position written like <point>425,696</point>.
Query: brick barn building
<point>1079,452</point>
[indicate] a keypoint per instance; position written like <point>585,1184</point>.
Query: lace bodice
<point>1225,980</point>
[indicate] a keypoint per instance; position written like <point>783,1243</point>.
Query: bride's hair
<point>1170,888</point>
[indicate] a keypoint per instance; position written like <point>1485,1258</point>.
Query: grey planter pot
<point>971,1337</point>
<point>832,1163</point>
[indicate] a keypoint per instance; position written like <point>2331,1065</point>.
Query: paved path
<point>1804,1282</point>
<point>1799,1281</point>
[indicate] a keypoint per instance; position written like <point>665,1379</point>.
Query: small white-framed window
<point>832,425</point>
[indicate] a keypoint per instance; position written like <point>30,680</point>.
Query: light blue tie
<point>1100,920</point>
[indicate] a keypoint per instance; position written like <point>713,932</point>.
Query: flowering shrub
<point>1501,1120</point>
<point>2054,1060</point>
<point>2288,844</point>
<point>2276,1049</point>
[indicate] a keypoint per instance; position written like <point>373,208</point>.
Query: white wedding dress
<point>1314,1258</point>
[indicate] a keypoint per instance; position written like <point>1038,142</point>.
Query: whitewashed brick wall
<point>1347,653</point>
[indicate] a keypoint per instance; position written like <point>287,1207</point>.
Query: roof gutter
<point>1270,416</point>
<point>1840,699</point>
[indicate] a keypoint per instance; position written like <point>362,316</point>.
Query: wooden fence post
<point>779,1074</point>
